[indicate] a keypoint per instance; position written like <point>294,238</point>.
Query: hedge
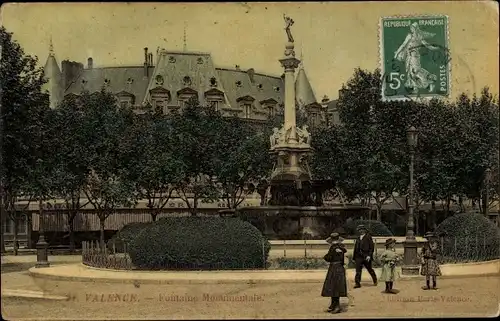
<point>122,239</point>
<point>374,227</point>
<point>468,237</point>
<point>199,243</point>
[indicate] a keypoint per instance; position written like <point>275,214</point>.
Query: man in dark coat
<point>363,255</point>
<point>335,285</point>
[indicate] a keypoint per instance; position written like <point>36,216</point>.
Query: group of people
<point>335,285</point>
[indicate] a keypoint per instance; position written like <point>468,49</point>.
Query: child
<point>430,265</point>
<point>389,259</point>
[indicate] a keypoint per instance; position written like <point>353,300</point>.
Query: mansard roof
<point>120,78</point>
<point>179,71</point>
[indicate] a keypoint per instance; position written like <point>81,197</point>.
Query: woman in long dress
<point>429,259</point>
<point>389,258</point>
<point>335,285</point>
<point>409,53</point>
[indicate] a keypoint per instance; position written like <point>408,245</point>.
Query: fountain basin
<point>297,222</point>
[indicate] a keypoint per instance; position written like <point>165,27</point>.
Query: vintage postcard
<point>175,161</point>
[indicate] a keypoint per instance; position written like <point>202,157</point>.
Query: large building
<point>166,81</point>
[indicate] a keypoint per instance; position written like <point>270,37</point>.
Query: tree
<point>477,132</point>
<point>241,158</point>
<point>70,169</point>
<point>107,186</point>
<point>23,108</point>
<point>195,135</point>
<point>369,145</point>
<point>153,162</point>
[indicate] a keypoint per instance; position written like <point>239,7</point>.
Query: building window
<point>247,108</point>
<point>214,104</point>
<point>314,119</point>
<point>158,106</point>
<point>124,104</point>
<point>271,110</point>
<point>8,227</point>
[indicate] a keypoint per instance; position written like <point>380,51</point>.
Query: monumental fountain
<point>295,208</point>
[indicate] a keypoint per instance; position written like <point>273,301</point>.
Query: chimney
<point>150,60</point>
<point>146,66</point>
<point>90,63</point>
<point>251,73</point>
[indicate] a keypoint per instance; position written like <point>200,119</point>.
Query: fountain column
<point>291,145</point>
<point>290,63</point>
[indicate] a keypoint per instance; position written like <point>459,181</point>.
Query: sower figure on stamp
<point>430,265</point>
<point>389,258</point>
<point>335,285</point>
<point>363,255</point>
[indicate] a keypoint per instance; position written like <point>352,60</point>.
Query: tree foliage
<point>368,154</point>
<point>23,128</point>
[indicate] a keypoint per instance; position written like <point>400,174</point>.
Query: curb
<point>224,277</point>
<point>10,293</point>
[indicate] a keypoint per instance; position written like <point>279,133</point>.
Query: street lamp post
<point>41,245</point>
<point>410,266</point>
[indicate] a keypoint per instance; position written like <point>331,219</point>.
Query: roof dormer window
<point>213,82</point>
<point>277,89</point>
<point>187,81</point>
<point>200,61</point>
<point>107,81</point>
<point>260,86</point>
<point>171,59</point>
<point>238,83</point>
<point>130,81</point>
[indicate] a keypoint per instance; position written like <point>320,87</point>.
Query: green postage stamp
<point>414,56</point>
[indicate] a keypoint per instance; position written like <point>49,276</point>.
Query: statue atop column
<point>288,22</point>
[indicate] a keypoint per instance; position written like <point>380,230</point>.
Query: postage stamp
<point>414,57</point>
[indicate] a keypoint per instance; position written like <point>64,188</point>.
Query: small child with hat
<point>430,265</point>
<point>389,258</point>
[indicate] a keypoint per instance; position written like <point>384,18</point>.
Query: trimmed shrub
<point>310,263</point>
<point>468,237</point>
<point>375,228</point>
<point>122,239</point>
<point>199,243</point>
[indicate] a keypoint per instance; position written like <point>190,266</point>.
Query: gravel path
<point>461,297</point>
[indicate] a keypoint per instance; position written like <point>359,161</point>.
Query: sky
<point>332,38</point>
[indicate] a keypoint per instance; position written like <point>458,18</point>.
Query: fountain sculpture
<point>295,208</point>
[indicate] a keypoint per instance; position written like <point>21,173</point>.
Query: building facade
<point>165,83</point>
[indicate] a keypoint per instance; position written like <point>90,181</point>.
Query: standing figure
<point>363,255</point>
<point>335,285</point>
<point>409,52</point>
<point>430,265</point>
<point>389,259</point>
<point>288,22</point>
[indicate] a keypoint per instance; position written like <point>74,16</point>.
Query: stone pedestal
<point>41,253</point>
<point>410,263</point>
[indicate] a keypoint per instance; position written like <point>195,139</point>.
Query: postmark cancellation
<point>414,57</point>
